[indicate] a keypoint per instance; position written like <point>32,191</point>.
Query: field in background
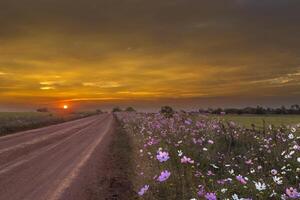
<point>11,122</point>
<point>258,120</point>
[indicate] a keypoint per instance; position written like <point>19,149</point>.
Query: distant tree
<point>295,109</point>
<point>283,110</point>
<point>130,109</point>
<point>116,109</point>
<point>42,110</point>
<point>260,110</point>
<point>167,111</point>
<point>217,111</point>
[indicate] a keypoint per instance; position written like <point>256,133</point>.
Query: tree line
<point>259,110</point>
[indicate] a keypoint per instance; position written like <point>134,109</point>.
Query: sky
<point>146,53</point>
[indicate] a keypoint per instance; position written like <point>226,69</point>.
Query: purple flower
<point>164,175</point>
<point>210,196</point>
<point>162,156</point>
<point>241,179</point>
<point>187,160</point>
<point>292,193</point>
<point>143,190</point>
<point>201,191</point>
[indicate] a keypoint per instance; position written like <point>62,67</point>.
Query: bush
<point>130,109</point>
<point>116,109</point>
<point>167,111</point>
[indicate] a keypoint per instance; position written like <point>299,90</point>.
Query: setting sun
<point>65,107</point>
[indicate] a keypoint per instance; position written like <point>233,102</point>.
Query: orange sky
<point>149,51</point>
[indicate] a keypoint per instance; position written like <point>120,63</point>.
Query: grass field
<point>258,120</point>
<point>11,122</point>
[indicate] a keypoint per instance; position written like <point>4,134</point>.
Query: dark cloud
<point>170,47</point>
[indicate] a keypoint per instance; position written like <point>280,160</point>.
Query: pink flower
<point>187,160</point>
<point>210,196</point>
<point>143,190</point>
<point>162,156</point>
<point>292,193</point>
<point>164,175</point>
<point>273,171</point>
<point>241,179</point>
<point>210,141</point>
<point>249,162</point>
<point>201,191</point>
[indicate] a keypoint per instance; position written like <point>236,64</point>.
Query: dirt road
<point>46,163</point>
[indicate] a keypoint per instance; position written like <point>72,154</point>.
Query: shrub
<point>130,109</point>
<point>116,109</point>
<point>167,111</point>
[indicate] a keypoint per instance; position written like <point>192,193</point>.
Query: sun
<point>65,107</point>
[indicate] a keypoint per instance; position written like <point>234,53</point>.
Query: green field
<point>258,120</point>
<point>18,121</point>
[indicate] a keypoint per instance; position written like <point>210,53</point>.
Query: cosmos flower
<point>162,156</point>
<point>201,191</point>
<point>180,153</point>
<point>241,179</point>
<point>210,196</point>
<point>292,193</point>
<point>187,160</point>
<point>164,175</point>
<point>143,190</point>
<point>273,171</point>
<point>291,136</point>
<point>260,186</point>
<point>277,180</point>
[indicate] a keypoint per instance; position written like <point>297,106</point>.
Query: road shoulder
<point>107,174</point>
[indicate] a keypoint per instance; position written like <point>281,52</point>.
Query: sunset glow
<point>216,51</point>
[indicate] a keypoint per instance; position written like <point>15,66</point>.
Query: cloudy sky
<point>234,51</point>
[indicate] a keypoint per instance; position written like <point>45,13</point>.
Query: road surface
<point>42,164</point>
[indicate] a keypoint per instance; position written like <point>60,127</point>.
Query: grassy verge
<point>114,181</point>
<point>11,122</point>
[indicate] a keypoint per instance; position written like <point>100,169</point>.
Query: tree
<point>130,109</point>
<point>167,111</point>
<point>116,109</point>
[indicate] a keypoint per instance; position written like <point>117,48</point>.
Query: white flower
<point>291,136</point>
<point>204,149</point>
<point>231,171</point>
<point>193,199</point>
<point>298,159</point>
<point>260,186</point>
<point>273,194</point>
<point>223,190</point>
<point>180,153</point>
<point>277,180</point>
<point>235,197</point>
<point>214,166</point>
<point>291,153</point>
<point>293,130</point>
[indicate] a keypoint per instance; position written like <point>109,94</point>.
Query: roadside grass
<point>116,174</point>
<point>188,157</point>
<point>11,122</point>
